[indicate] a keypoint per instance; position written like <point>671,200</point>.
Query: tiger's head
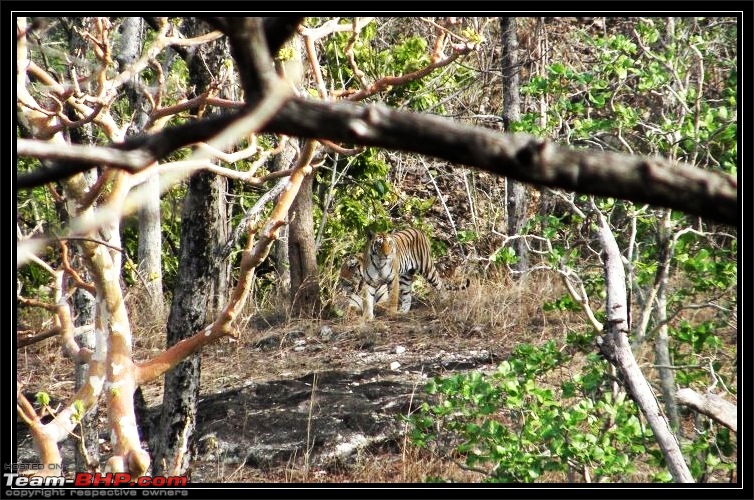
<point>351,278</point>
<point>382,245</point>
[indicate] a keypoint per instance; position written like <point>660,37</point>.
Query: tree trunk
<point>662,349</point>
<point>150,246</point>
<point>218,287</point>
<point>662,358</point>
<point>655,304</point>
<point>149,260</point>
<point>205,64</point>
<point>616,348</point>
<point>86,454</point>
<point>202,285</point>
<point>302,254</point>
<point>150,233</point>
<point>188,314</point>
<point>283,161</point>
<point>517,199</point>
<point>305,299</point>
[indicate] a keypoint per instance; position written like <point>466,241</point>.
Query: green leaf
<point>557,68</point>
<point>466,236</point>
<point>663,477</point>
<point>712,460</point>
<point>568,388</point>
<point>43,398</point>
<point>505,255</point>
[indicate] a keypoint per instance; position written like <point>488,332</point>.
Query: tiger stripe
<point>351,282</point>
<point>394,260</point>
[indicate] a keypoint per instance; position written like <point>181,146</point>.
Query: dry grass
<point>42,367</point>
<point>494,313</point>
<point>489,314</point>
<point>411,465</point>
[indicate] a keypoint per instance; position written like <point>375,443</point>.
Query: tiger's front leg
<point>368,302</point>
<point>394,296</point>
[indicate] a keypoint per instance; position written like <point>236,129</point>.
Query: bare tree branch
<point>33,338</point>
<point>522,157</point>
<point>711,405</point>
<point>252,256</point>
<point>616,348</point>
<point>74,154</point>
<point>48,451</point>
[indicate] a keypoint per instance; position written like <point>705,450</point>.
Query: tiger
<point>393,260</point>
<point>351,282</point>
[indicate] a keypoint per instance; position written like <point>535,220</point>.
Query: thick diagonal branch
<point>617,348</point>
<point>522,157</point>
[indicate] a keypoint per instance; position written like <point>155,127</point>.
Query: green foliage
<point>365,198</point>
<point>170,209</point>
<point>617,95</point>
<point>377,58</point>
<point>518,426</point>
<point>359,201</point>
<point>177,80</point>
<point>78,411</point>
<point>582,340</point>
<point>472,36</point>
<point>564,303</point>
<point>37,212</point>
<point>437,247</point>
<point>709,270</point>
<point>466,236</point>
<point>285,53</point>
<point>505,255</point>
<point>612,103</point>
<point>43,398</point>
<point>712,450</point>
<point>415,207</point>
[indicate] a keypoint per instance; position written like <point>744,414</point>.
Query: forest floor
<point>322,401</point>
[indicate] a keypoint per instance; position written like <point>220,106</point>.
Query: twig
<point>27,341</point>
<point>309,443</point>
<point>447,211</point>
